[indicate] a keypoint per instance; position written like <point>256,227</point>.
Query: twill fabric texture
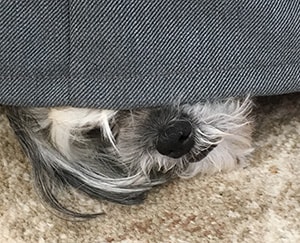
<point>133,54</point>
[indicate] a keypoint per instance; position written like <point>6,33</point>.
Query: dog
<point>119,155</point>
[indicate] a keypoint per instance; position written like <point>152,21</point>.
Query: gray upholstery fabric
<point>127,54</point>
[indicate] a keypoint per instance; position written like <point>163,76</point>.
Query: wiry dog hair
<point>120,155</point>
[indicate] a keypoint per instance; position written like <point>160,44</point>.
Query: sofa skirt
<point>133,54</point>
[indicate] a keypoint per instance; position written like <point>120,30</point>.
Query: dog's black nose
<point>176,139</point>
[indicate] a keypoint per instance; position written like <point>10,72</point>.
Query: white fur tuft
<point>65,122</point>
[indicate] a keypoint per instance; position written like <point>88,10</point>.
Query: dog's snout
<point>176,139</point>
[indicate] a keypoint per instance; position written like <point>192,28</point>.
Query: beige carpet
<point>258,204</point>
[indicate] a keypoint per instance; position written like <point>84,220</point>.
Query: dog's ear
<point>129,198</point>
<point>47,179</point>
<point>53,171</point>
